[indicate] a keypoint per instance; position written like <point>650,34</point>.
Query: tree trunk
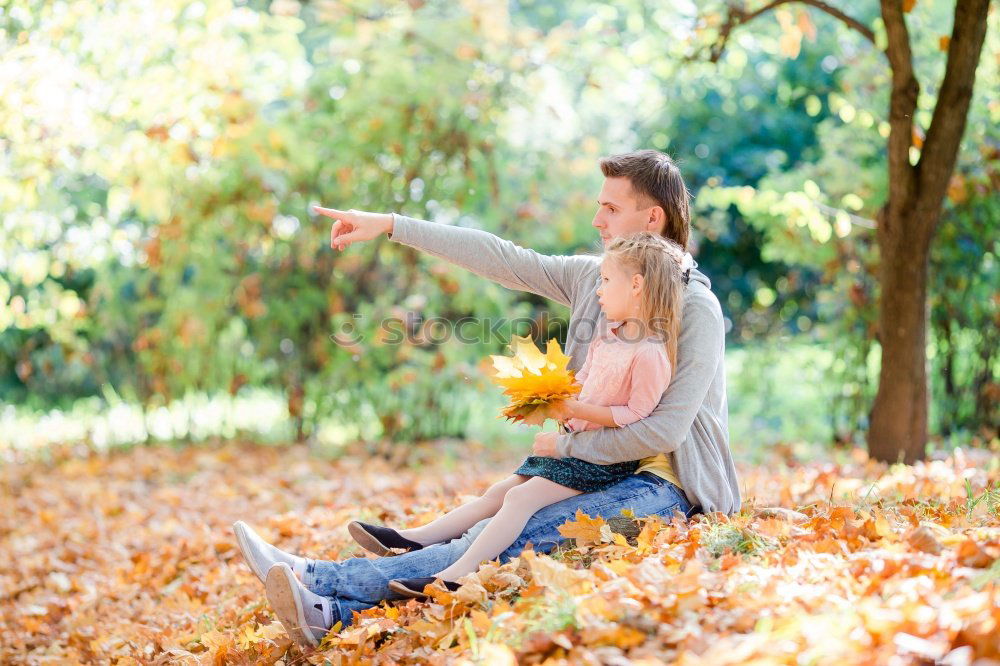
<point>898,428</point>
<point>908,222</point>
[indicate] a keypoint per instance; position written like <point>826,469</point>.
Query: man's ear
<point>657,219</point>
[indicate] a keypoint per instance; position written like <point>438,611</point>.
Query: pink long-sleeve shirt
<point>629,376</point>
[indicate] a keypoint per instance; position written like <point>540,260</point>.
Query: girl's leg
<point>519,504</point>
<point>455,523</point>
<point>367,579</point>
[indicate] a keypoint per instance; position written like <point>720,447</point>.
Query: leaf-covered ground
<point>129,558</point>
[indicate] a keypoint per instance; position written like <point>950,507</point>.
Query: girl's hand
<point>354,225</point>
<point>562,410</point>
<point>545,444</point>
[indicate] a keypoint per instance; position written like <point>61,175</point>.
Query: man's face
<point>617,213</point>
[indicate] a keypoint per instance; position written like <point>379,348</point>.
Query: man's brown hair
<point>656,181</point>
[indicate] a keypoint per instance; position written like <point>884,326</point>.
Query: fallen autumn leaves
<point>129,558</point>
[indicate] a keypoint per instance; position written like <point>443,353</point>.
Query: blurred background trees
<point>159,160</point>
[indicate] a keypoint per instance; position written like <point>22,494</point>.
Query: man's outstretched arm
<point>699,352</point>
<point>554,277</point>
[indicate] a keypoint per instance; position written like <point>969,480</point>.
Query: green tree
<point>918,180</point>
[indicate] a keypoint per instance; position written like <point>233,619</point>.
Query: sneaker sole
<point>399,588</point>
<point>240,528</point>
<point>366,540</point>
<point>279,587</point>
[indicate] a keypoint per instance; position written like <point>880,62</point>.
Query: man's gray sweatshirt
<point>691,422</point>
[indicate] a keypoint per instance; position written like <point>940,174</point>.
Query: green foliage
<point>783,393</point>
<point>965,307</point>
<point>818,217</point>
<point>155,187</point>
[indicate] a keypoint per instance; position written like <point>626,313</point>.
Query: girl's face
<point>619,292</point>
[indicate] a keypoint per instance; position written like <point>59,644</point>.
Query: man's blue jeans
<point>360,583</point>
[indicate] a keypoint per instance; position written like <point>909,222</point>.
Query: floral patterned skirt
<point>577,474</point>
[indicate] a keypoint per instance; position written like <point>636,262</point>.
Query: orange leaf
<point>620,636</point>
<point>728,561</point>
<point>970,554</point>
<point>646,535</point>
<point>829,545</point>
<point>806,25</point>
<point>924,540</point>
<point>773,527</point>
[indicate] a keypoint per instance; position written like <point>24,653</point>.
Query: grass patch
<point>547,614</point>
<point>718,537</point>
<point>990,496</point>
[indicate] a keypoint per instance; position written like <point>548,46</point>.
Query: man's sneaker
<point>379,540</point>
<point>414,587</point>
<point>260,555</point>
<point>307,617</point>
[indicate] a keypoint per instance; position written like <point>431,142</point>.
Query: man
<point>683,444</point>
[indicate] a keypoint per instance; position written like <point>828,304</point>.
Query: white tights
<point>511,502</point>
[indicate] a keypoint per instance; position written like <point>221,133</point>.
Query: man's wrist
<point>390,225</point>
<point>563,443</point>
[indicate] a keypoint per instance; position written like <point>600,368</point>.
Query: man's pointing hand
<point>354,225</point>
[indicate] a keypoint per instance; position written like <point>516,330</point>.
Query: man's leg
<point>306,616</point>
<point>645,494</point>
<point>367,580</point>
<point>360,583</point>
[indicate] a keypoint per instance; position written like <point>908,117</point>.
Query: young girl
<point>627,369</point>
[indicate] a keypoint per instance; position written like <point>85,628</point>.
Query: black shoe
<point>379,540</point>
<point>414,587</point>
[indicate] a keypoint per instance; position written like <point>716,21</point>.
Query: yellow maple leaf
<point>271,631</point>
<point>620,567</point>
<point>585,530</point>
<point>216,642</point>
<point>533,380</point>
<point>546,572</point>
<point>495,654</point>
<point>248,637</point>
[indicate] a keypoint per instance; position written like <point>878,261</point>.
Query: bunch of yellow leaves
<point>533,380</point>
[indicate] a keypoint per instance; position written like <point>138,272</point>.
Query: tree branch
<point>738,16</point>
<point>850,22</point>
<point>902,104</point>
<point>940,151</point>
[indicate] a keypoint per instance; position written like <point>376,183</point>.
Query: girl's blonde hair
<point>660,262</point>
